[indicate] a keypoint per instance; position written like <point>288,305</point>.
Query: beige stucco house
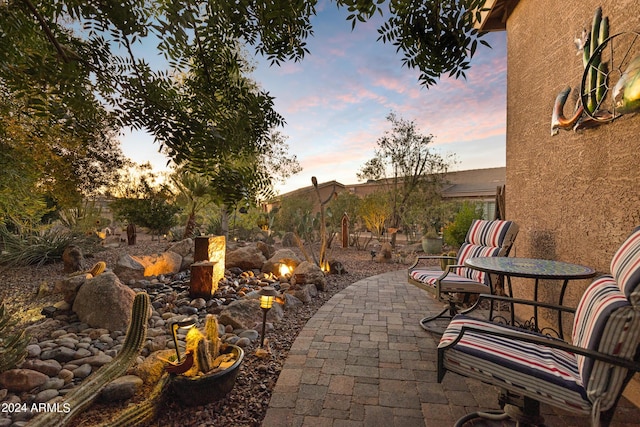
<point>575,195</point>
<point>477,185</point>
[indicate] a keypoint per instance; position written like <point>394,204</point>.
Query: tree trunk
<point>191,226</point>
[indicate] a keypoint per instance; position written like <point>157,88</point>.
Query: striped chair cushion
<point>469,251</point>
<point>429,277</point>
<point>606,322</point>
<point>546,374</point>
<point>625,267</point>
<point>488,233</point>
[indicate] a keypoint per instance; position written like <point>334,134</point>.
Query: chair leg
<point>451,309</point>
<point>524,411</point>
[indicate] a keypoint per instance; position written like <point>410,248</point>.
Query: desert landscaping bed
<point>27,290</point>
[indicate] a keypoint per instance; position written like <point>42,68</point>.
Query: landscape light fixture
<point>267,296</point>
<point>187,323</point>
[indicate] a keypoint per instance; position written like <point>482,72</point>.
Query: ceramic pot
<point>203,389</point>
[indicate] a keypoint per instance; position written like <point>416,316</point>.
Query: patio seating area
<point>364,360</point>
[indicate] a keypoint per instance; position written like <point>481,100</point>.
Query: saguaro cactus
<point>83,395</point>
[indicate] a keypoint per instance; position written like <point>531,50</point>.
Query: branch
<point>47,30</point>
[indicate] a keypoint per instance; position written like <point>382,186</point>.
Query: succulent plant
<point>13,346</point>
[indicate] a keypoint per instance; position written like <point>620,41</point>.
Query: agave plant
<point>13,346</point>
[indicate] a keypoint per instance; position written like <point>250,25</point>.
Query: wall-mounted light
<point>188,323</point>
<point>267,296</point>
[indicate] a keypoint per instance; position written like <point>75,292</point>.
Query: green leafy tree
<point>49,163</point>
<point>145,203</point>
<point>375,212</point>
<point>406,165</point>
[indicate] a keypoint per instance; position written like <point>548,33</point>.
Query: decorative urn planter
<point>207,388</point>
<point>432,245</point>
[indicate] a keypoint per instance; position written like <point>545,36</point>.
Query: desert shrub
<point>40,247</point>
<point>456,231</point>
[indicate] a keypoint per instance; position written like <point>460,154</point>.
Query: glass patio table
<point>531,268</point>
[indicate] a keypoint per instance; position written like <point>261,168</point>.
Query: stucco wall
<point>576,196</point>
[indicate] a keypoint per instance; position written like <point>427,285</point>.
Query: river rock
<point>122,388</point>
<point>46,395</point>
<point>50,367</point>
<point>20,380</point>
<point>60,354</point>
<point>82,371</point>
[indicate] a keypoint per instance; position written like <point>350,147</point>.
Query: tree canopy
<point>77,72</point>
<point>407,165</point>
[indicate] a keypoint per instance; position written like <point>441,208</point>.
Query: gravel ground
<point>246,404</point>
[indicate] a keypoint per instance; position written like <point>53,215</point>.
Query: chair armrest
<point>427,257</point>
<point>502,298</point>
<point>547,342</point>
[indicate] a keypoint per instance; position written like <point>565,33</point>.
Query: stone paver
<point>364,360</point>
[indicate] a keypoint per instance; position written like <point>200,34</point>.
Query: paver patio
<point>364,360</point>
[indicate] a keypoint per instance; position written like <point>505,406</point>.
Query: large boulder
<point>183,247</point>
<point>104,302</point>
<point>267,250</point>
<point>312,274</point>
<point>245,257</point>
<point>69,286</point>
<point>281,256</point>
<point>131,267</point>
<point>244,313</point>
<point>289,239</point>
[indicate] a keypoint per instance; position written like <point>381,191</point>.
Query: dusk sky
<point>336,101</point>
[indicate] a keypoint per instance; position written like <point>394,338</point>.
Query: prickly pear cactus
<point>83,395</point>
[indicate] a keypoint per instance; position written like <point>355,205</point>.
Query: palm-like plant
<point>195,194</point>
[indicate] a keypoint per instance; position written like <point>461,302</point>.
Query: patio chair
<point>484,239</point>
<point>586,377</point>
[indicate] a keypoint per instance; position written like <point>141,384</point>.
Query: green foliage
<point>39,247</point>
<point>146,204</point>
<point>375,211</point>
<point>291,212</point>
<point>84,219</point>
<point>66,92</point>
<point>436,37</point>
<point>154,213</point>
<point>13,345</point>
<point>456,231</point>
<point>345,202</point>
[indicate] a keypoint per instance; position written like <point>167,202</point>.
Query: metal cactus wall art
<point>610,85</point>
